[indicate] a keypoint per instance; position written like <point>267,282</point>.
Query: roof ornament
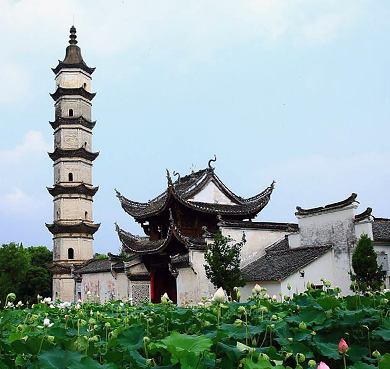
<point>272,186</point>
<point>171,221</point>
<point>169,179</point>
<point>212,160</point>
<point>73,37</point>
<point>178,176</point>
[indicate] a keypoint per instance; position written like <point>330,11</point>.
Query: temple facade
<point>178,224</point>
<point>73,192</point>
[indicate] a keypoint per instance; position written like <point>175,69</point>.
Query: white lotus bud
<point>219,296</point>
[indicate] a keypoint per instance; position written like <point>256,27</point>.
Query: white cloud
<point>18,203</point>
<point>32,145</point>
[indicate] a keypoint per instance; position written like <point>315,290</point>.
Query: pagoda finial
<point>73,37</point>
<point>212,160</point>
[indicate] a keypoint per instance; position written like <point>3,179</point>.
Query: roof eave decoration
<point>79,227</point>
<point>80,91</point>
<point>79,189</point>
<point>336,205</point>
<point>73,120</point>
<point>73,58</point>
<point>76,153</point>
<point>366,214</point>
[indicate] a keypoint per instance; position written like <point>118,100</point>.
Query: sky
<point>296,91</point>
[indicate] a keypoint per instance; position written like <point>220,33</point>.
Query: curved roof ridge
<point>365,214</point>
<point>142,245</point>
<point>267,191</point>
<point>334,205</point>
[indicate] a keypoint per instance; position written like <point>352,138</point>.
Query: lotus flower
<point>343,347</point>
<point>164,298</point>
<point>219,296</point>
<point>322,365</point>
<point>257,288</point>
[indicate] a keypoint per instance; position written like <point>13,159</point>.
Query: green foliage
<point>223,263</point>
<point>367,275</point>
<point>24,272</point>
<point>117,335</point>
<point>100,256</point>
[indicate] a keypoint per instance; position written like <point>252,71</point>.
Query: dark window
<point>71,112</point>
<point>85,85</point>
<point>86,215</point>
<point>70,177</point>
<point>70,253</point>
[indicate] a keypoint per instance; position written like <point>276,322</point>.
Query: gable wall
<point>211,194</point>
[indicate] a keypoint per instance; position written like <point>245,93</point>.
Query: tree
<point>368,275</point>
<point>223,263</point>
<point>14,263</point>
<point>23,271</point>
<point>100,256</point>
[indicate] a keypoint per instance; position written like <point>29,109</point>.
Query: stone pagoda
<point>73,227</point>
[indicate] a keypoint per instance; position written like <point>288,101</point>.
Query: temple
<point>73,227</point>
<point>177,224</point>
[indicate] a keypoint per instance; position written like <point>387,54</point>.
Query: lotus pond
<point>262,333</point>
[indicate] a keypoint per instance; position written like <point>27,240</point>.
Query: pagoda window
<point>70,177</point>
<point>86,215</point>
<point>58,215</point>
<point>70,253</point>
<point>84,85</point>
<point>71,112</point>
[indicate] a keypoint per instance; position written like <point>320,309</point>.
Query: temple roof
<point>280,261</point>
<point>78,189</point>
<point>381,229</point>
<point>73,227</point>
<point>76,153</point>
<point>73,120</point>
<point>79,91</point>
<point>184,189</point>
<point>143,245</point>
<point>73,58</point>
<point>336,205</point>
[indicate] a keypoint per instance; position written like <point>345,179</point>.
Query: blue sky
<point>295,91</point>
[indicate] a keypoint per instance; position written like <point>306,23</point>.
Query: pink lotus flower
<point>343,347</point>
<point>322,366</point>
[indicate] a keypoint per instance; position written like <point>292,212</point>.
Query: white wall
<point>256,241</point>
<point>211,194</point>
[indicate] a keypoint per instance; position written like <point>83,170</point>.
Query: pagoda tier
<point>76,153</point>
<point>80,189</point>
<point>79,227</point>
<point>185,190</point>
<point>72,121</point>
<point>143,245</point>
<point>80,91</point>
<point>73,58</point>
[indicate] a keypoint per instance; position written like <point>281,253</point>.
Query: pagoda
<point>176,224</point>
<point>73,227</point>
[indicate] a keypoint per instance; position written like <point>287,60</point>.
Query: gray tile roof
<point>278,265</point>
<point>97,266</point>
<point>381,229</point>
<point>279,245</point>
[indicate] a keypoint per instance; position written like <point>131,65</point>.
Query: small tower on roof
<point>73,227</point>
